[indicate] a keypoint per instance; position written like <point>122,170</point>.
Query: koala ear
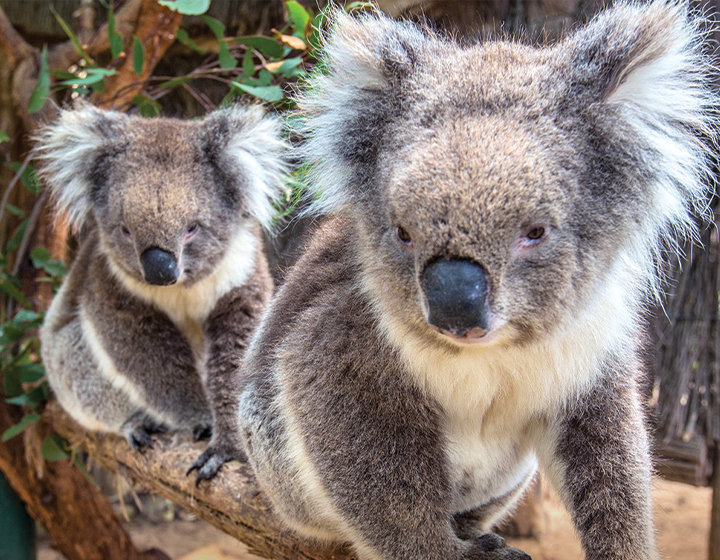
<point>352,95</point>
<point>639,69</point>
<point>69,150</point>
<point>247,148</point>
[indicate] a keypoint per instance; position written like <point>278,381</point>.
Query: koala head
<point>495,189</point>
<point>167,196</point>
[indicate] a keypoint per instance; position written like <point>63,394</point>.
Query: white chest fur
<point>494,398</point>
<point>189,306</point>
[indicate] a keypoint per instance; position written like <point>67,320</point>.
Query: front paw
<point>138,429</point>
<point>202,431</point>
<point>209,463</point>
<point>493,547</point>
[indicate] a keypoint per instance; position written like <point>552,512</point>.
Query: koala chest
<point>486,461</point>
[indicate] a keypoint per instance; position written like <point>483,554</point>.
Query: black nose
<point>159,267</point>
<point>456,292</point>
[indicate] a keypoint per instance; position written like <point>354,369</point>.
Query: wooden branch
<point>232,502</point>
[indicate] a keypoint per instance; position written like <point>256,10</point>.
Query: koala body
<point>474,306</point>
<point>149,327</point>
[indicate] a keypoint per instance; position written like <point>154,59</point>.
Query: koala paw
<point>139,438</point>
<point>493,547</point>
<point>202,431</point>
<point>209,463</point>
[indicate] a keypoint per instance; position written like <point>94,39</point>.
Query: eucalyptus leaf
<point>12,431</point>
<point>227,60</point>
<point>248,64</point>
<point>116,40</point>
<point>298,15</point>
<point>42,88</point>
<point>28,177</point>
<point>30,373</point>
<point>185,39</point>
<point>268,47</point>
<point>138,56</point>
<point>54,448</point>
<point>73,38</point>
<point>215,25</point>
<point>187,7</point>
<point>268,93</point>
<point>3,136</point>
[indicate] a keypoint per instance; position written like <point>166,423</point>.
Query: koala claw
<point>139,438</point>
<point>493,547</point>
<point>209,463</point>
<point>202,432</point>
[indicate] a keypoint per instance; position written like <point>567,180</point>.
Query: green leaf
<point>116,40</point>
<point>288,67</point>
<point>30,373</point>
<point>29,177</point>
<point>138,56</point>
<point>268,93</point>
<point>298,15</point>
<point>16,239</point>
<point>216,26</point>
<point>248,64</point>
<point>86,474</point>
<point>42,88</point>
<point>10,286</point>
<point>187,7</point>
<point>15,210</point>
<point>227,60</point>
<point>33,398</point>
<point>268,47</point>
<point>24,316</point>
<point>12,431</point>
<point>264,78</point>
<point>73,38</point>
<point>148,107</point>
<point>3,136</point>
<point>86,81</point>
<point>41,258</point>
<point>185,39</point>
<point>55,448</point>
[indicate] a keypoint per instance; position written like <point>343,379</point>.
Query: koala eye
<point>125,231</point>
<point>403,236</point>
<point>535,234</point>
<point>191,231</point>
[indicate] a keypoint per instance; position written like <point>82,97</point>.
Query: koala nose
<point>159,267</point>
<point>456,292</point>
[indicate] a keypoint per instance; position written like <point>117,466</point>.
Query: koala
<point>473,307</point>
<point>170,279</point>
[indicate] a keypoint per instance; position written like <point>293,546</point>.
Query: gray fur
<point>363,424</point>
<point>126,356</point>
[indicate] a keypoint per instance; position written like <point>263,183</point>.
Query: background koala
<point>154,316</point>
<point>474,306</point>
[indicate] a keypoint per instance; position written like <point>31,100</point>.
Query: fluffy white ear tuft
<point>642,65</point>
<point>365,58</point>
<point>67,150</point>
<point>254,143</point>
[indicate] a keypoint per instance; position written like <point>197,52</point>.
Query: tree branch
<point>232,501</point>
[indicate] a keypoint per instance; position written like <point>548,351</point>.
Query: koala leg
<point>153,356</point>
<point>599,460</point>
<point>228,331</point>
<point>93,396</point>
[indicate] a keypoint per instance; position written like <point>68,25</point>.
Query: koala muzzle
<point>456,292</point>
<point>159,267</point>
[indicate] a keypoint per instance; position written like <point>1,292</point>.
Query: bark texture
<point>232,501</point>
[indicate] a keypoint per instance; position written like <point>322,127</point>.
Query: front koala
<point>149,327</point>
<point>474,305</point>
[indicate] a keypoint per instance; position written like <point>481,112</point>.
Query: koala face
<point>495,187</point>
<point>167,196</point>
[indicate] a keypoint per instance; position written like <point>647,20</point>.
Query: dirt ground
<point>682,515</point>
